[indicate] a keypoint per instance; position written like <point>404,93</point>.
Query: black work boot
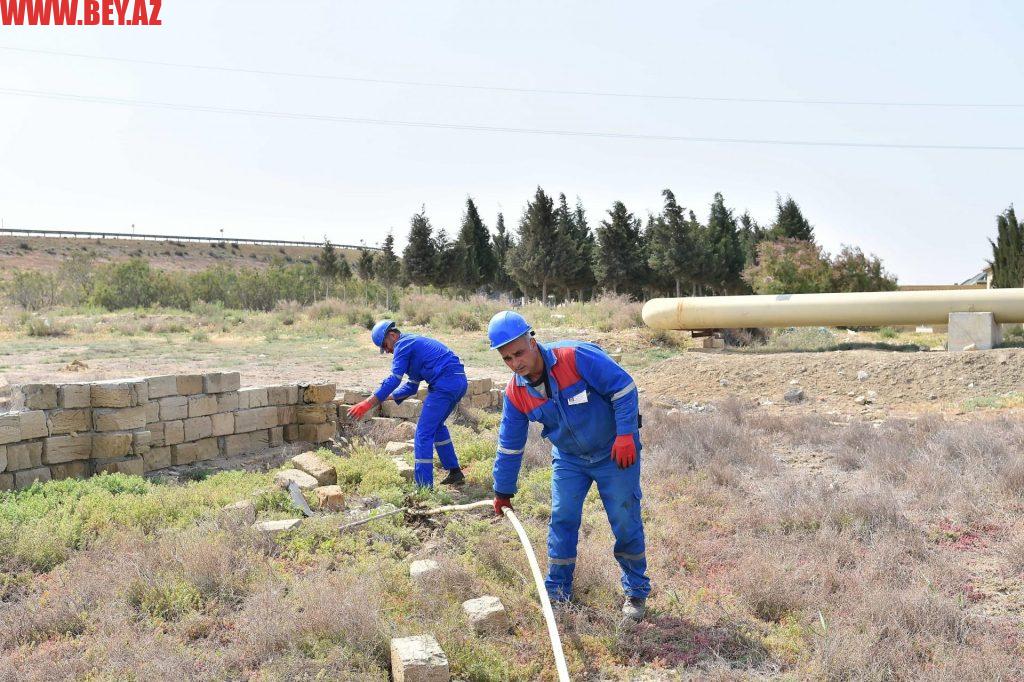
<point>635,608</point>
<point>454,477</point>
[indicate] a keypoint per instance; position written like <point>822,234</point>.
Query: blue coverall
<point>424,359</point>
<point>592,401</point>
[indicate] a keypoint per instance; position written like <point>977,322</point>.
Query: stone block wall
<point>140,425</point>
<point>481,394</point>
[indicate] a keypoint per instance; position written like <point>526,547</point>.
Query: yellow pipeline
<point>869,309</point>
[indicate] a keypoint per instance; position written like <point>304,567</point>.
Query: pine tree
<point>327,261</point>
<point>503,243</point>
<point>751,234</point>
<point>620,263</point>
<point>344,269</point>
<point>575,233</point>
<point>364,266</point>
<point>1008,251</point>
<point>387,267</point>
<point>479,264</point>
<point>671,242</point>
<point>537,261</point>
<point>420,255</point>
<point>790,222</point>
<point>724,248</point>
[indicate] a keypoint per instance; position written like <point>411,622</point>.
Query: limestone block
<point>201,405</point>
<point>163,386</point>
<point>479,386</point>
<point>422,393</point>
<point>238,444</point>
<point>317,393</point>
<point>221,382</point>
<point>25,478</point>
<point>186,453</point>
<point>330,498</point>
<point>300,478</point>
<point>252,397</point>
<point>40,396</point>
<point>977,329</point>
<point>497,397</point>
<point>282,395</point>
<point>480,400</point>
<point>418,659</point>
<point>141,442</point>
<point>63,422</point>
<point>405,430</point>
<point>32,424</point>
<point>71,396</point>
<point>318,433</point>
<point>222,423</point>
<point>259,440</point>
<point>157,458</point>
<point>173,407</point>
<point>3,457</point>
<point>423,568</point>
<point>287,414</point>
<point>384,422</point>
<point>156,434</point>
<point>6,482</point>
<point>10,428</point>
<point>351,396</point>
<point>111,444</point>
<point>317,467</point>
<point>60,449</point>
<point>311,414</point>
<point>174,432</point>
<point>405,469</point>
<point>130,466</point>
<point>227,402</point>
<point>24,456</point>
<point>243,511</point>
<point>276,436</point>
<point>198,427</point>
<point>255,419</point>
<point>78,469</point>
<point>399,448</point>
<point>125,419</point>
<point>409,409</point>
<point>277,527</point>
<point>152,412</point>
<point>291,433</point>
<point>189,384</point>
<point>486,615</point>
<point>119,393</point>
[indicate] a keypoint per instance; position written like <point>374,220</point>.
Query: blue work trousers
<point>431,432</point>
<point>620,492</point>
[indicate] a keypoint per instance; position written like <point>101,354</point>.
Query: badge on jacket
<point>579,398</point>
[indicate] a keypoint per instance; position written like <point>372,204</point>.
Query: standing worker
<point>421,359</point>
<point>589,409</point>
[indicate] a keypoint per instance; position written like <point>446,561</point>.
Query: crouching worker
<point>421,359</point>
<point>588,407</point>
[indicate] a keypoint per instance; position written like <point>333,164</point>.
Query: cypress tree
<point>619,263</point>
<point>751,234</point>
<point>671,243</point>
<point>575,234</point>
<point>327,260</point>
<point>364,266</point>
<point>387,267</point>
<point>724,249</point>
<point>1008,251</point>
<point>420,256</point>
<point>475,242</point>
<point>502,281</point>
<point>790,222</point>
<point>538,259</point>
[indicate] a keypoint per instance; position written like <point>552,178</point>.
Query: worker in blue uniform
<point>419,358</point>
<point>589,409</point>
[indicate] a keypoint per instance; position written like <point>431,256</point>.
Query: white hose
<point>545,603</point>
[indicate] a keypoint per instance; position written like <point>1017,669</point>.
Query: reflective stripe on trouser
<point>431,432</point>
<point>620,493</point>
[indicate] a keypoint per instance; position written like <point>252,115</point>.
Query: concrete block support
<point>418,659</point>
<point>973,329</point>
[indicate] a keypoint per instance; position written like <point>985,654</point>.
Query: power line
<point>530,91</point>
<point>494,129</point>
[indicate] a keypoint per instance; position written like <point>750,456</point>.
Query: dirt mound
<point>884,381</point>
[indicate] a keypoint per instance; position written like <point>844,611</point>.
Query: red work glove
<point>359,411</point>
<point>624,451</point>
<point>500,502</point>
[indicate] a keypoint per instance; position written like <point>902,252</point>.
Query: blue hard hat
<point>506,326</point>
<point>380,330</point>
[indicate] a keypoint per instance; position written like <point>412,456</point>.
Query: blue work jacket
<point>419,358</point>
<point>592,401</point>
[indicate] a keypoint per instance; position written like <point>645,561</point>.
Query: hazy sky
<point>927,213</point>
